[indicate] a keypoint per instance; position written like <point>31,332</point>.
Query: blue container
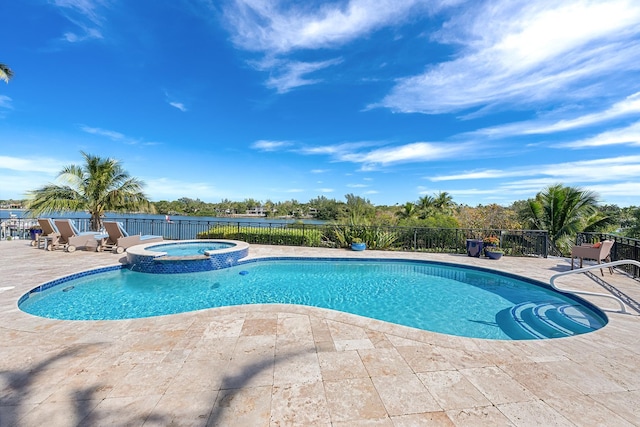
<point>35,232</point>
<point>358,246</point>
<point>474,247</point>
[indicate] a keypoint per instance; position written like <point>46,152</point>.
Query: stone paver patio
<point>282,365</point>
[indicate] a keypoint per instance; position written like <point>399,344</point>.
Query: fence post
<point>545,252</point>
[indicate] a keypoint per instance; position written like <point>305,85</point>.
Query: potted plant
<point>357,244</point>
<point>493,252</point>
<point>490,242</point>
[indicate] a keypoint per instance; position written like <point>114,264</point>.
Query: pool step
<point>540,320</point>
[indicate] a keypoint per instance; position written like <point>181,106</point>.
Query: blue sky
<point>387,99</point>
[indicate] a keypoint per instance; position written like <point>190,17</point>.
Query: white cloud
<point>629,135</point>
<point>337,149</point>
<point>371,159</point>
<point>32,164</point>
<point>173,102</point>
<point>465,192</point>
<point>291,74</point>
<point>171,189</point>
<point>523,53</point>
<point>84,14</point>
<point>116,136</point>
<point>624,189</point>
<point>325,190</point>
<point>264,145</point>
<point>179,105</point>
<point>279,27</point>
<point>5,102</point>
<point>408,153</point>
<point>629,106</point>
<point>617,168</point>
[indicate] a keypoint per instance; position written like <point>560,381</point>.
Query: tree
<point>489,217</point>
<point>426,207</point>
<point>5,72</point>
<point>443,202</point>
<point>97,186</point>
<point>326,209</point>
<point>562,211</point>
<point>408,210</point>
<point>632,228</point>
<point>358,209</point>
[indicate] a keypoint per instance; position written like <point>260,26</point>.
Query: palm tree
<point>425,206</point>
<point>443,202</point>
<point>408,210</point>
<point>98,186</point>
<point>5,72</point>
<point>562,211</point>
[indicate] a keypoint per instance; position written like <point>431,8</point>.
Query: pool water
<point>430,296</point>
<point>189,248</point>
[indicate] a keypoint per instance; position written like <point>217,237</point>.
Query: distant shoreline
<point>20,214</point>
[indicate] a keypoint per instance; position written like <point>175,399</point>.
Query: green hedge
<point>265,235</point>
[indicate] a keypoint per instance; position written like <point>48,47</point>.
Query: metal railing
<point>443,240</point>
<point>623,248</point>
<point>623,308</point>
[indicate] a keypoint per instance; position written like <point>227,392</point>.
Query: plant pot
<point>474,248</point>
<point>487,247</point>
<point>358,246</point>
<point>493,255</point>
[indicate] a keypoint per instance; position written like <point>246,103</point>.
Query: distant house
<point>257,211</point>
<point>11,206</point>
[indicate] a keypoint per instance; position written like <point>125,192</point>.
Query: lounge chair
<point>50,237</point>
<point>71,238</point>
<point>599,251</point>
<point>119,240</point>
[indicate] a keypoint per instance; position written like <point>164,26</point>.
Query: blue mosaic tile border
<point>61,280</point>
<point>157,265</point>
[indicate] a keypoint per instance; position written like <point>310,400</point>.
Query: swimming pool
<point>190,248</point>
<point>186,256</point>
<point>431,296</point>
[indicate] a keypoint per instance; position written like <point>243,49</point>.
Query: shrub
<point>265,236</point>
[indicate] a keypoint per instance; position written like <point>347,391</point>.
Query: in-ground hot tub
<point>187,256</point>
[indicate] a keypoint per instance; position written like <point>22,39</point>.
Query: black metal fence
<point>443,240</point>
<point>623,248</point>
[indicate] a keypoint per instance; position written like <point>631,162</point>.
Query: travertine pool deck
<point>282,365</point>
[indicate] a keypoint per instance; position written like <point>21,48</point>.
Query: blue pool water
<point>189,248</point>
<point>430,296</point>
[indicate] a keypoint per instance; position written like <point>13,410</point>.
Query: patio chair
<point>50,237</point>
<point>71,238</point>
<point>599,252</point>
<point>119,240</point>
